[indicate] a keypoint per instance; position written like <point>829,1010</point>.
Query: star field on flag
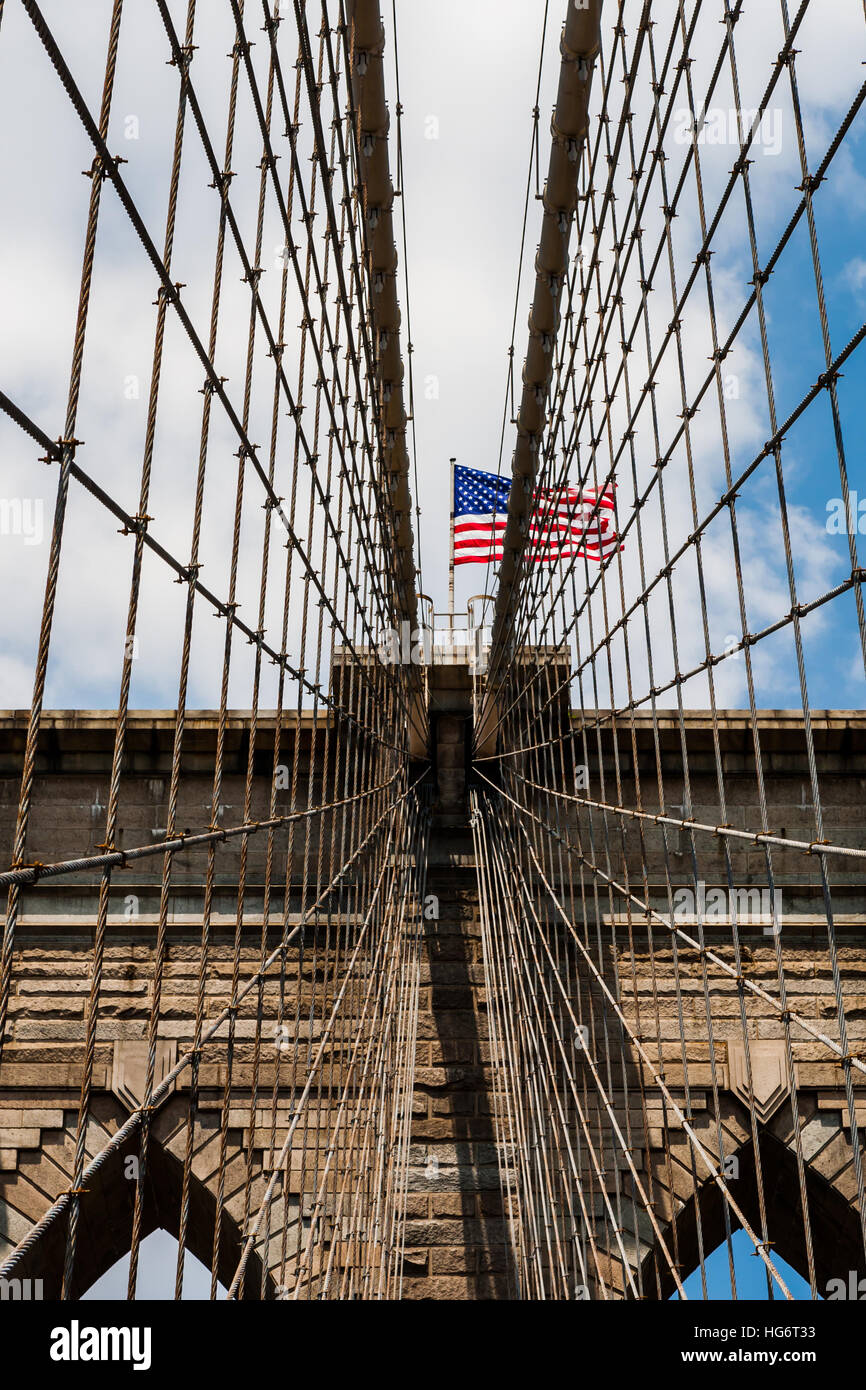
<point>564,524</point>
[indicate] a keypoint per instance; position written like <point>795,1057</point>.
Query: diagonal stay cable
<point>215,383</point>
<point>165,1087</point>
<point>713,1169</point>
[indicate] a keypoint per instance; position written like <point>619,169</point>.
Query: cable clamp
<point>810,183</point>
<point>136,526</point>
<point>827,379</point>
<point>210,386</point>
<point>186,52</point>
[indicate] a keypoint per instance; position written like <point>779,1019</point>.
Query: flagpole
<point>451,557</point>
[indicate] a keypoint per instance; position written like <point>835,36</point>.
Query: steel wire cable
<point>606,633</point>
<point>343,815</point>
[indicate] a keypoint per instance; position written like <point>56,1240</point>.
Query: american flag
<point>563,524</point>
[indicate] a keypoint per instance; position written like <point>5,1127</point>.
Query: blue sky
<point>749,1274</point>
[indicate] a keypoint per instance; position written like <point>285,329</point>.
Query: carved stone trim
<point>769,1075</point>
<point>129,1069</point>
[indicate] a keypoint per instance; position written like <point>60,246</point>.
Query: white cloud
<point>854,275</point>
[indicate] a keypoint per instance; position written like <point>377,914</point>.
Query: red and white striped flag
<point>564,522</point>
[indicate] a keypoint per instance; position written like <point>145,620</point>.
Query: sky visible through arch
<point>158,1257</point>
<point>749,1272</point>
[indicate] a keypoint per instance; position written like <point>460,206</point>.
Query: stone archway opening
<point>157,1263</point>
<point>834,1226</point>
<point>106,1222</point>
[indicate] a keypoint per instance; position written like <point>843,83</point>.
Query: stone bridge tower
<point>458,1236</point>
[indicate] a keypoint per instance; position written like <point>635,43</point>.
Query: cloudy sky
<point>468,75</point>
